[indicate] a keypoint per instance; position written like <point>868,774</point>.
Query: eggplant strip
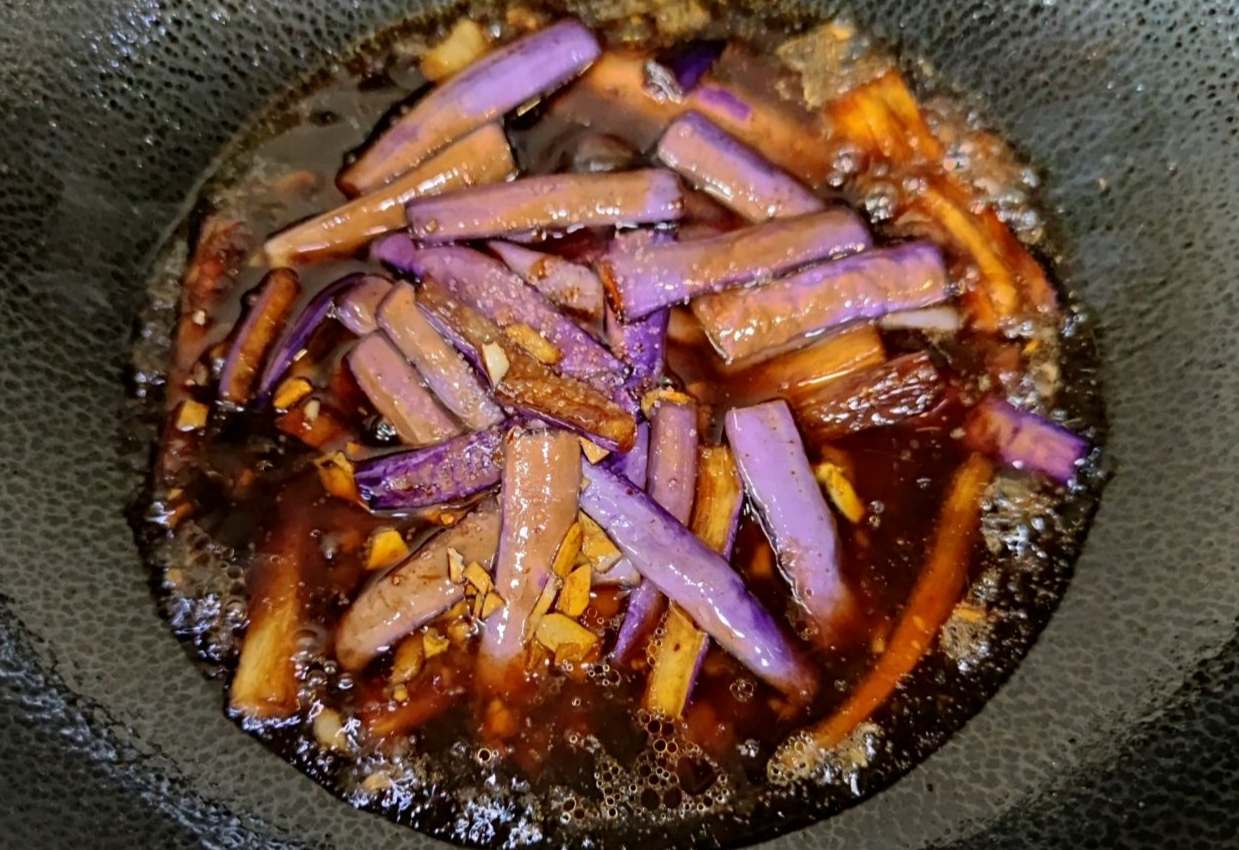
<point>696,578</point>
<point>396,391</point>
<point>443,369</point>
<point>504,79</point>
<point>548,202</point>
<point>527,385</point>
<point>938,588</point>
<point>782,488</point>
<point>257,335</point>
<point>265,686</point>
<point>415,591</point>
<point>642,279</point>
<point>1024,440</point>
<point>877,396</point>
<point>420,478</point>
<point>731,172</point>
<point>566,284</point>
<point>297,337</point>
<point>357,308</point>
<point>672,478</point>
<point>716,519</point>
<point>486,286</point>
<point>481,157</point>
<point>642,345</point>
<point>796,373</point>
<point>743,324</point>
<point>541,478</point>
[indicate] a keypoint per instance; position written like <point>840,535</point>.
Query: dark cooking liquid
<point>590,760</point>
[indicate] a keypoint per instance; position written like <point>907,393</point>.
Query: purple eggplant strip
<point>484,284</point>
<point>445,372</point>
<point>415,591</point>
<point>298,336</point>
<point>690,62</point>
<point>541,479</point>
<point>483,156</point>
<point>1025,440</point>
<point>257,334</point>
<point>695,578</point>
<point>420,478</point>
<point>672,484</point>
<point>730,171</point>
<point>565,283</point>
<point>548,202</point>
<point>781,486</point>
<point>513,75</point>
<point>396,391</point>
<point>642,280</point>
<point>642,345</point>
<point>644,609</point>
<point>633,465</point>
<point>529,386</point>
<point>743,325</point>
<point>356,308</point>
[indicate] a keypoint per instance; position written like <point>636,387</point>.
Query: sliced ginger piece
<point>290,392</point>
<point>492,603</point>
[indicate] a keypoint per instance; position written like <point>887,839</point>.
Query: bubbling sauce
<point>242,495</point>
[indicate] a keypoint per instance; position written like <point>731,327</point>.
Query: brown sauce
<point>590,763</point>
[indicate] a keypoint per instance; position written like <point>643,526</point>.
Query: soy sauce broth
<point>591,766</point>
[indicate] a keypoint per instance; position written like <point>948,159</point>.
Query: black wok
<point>1120,729</point>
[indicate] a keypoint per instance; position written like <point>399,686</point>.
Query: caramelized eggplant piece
<point>513,75</point>
<point>257,334</point>
<point>900,389</point>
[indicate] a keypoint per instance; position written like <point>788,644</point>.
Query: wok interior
<point>1129,129</point>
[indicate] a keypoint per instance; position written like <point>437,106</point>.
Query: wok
<point>1120,729</point>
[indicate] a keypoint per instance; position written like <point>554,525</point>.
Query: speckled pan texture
<point>1121,729</point>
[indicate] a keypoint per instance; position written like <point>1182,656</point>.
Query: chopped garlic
<point>574,598</point>
<point>598,550</point>
<point>592,450</point>
<point>492,603</point>
<point>290,392</point>
<point>385,547</point>
<point>336,472</point>
<point>478,577</point>
<point>329,730</point>
<point>840,490</point>
<point>464,45</point>
<point>407,661</point>
<point>192,416</point>
<point>433,643</point>
<point>496,362</point>
<point>568,639</point>
<point>455,565</point>
<point>569,549</point>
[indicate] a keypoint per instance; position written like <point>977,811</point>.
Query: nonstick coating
<point>1120,729</point>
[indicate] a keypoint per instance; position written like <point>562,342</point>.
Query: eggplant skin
<point>696,578</point>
